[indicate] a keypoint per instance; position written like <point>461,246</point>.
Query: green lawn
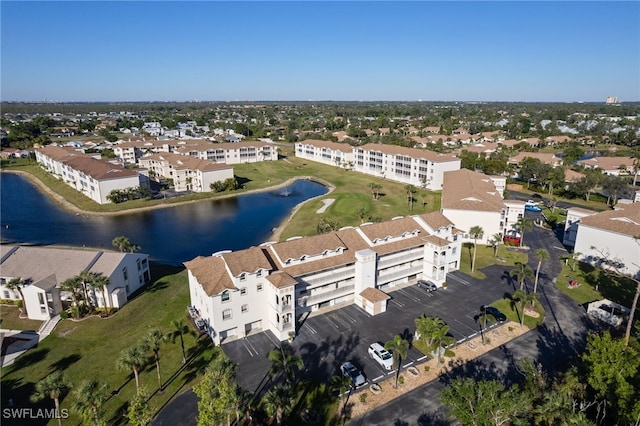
<point>512,314</point>
<point>89,349</point>
<point>10,320</point>
<point>484,257</point>
<point>595,285</point>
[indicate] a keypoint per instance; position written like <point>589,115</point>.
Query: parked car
<point>494,312</point>
<point>532,208</point>
<point>201,324</point>
<point>192,311</point>
<point>350,370</point>
<point>531,203</point>
<point>381,355</point>
<point>429,286</point>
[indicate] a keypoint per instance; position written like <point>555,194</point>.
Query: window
<point>227,314</point>
<point>6,294</point>
<point>244,308</point>
<point>259,273</point>
<point>259,287</point>
<point>226,296</point>
<point>243,276</point>
<point>243,291</point>
<point>125,274</point>
<point>41,298</point>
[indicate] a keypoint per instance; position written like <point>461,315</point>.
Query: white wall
<point>609,245</point>
<point>466,219</point>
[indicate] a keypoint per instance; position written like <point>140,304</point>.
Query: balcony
<point>329,277</point>
<point>384,278</point>
<point>324,296</point>
<point>395,260</point>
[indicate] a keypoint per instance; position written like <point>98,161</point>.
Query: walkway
<point>15,342</point>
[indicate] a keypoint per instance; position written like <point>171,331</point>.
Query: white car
<point>381,355</point>
<point>531,203</point>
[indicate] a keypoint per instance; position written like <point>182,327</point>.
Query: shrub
<point>401,379</point>
<point>363,398</point>
<point>64,314</point>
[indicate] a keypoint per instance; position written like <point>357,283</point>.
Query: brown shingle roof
<point>184,162</point>
<point>625,220</point>
<point>248,260</point>
<point>609,163</point>
<point>281,279</point>
<point>97,169</point>
<point>335,146</point>
<point>391,228</point>
<point>295,249</point>
<point>436,220</point>
<point>374,295</point>
<point>409,152</point>
<point>466,190</point>
<point>211,274</point>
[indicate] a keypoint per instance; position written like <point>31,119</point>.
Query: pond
<point>171,235</point>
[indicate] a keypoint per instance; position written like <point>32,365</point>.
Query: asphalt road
<point>325,341</point>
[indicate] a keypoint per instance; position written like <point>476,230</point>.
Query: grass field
<point>10,320</point>
<point>89,349</point>
<point>484,257</point>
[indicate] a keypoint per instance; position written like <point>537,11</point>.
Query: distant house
<point>545,158</point>
<point>43,269</point>
<point>615,166</point>
<point>326,152</point>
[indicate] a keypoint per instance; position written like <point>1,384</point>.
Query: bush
<point>64,314</point>
<point>401,379</point>
<point>363,398</point>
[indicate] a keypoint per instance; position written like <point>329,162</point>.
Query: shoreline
<point>64,204</point>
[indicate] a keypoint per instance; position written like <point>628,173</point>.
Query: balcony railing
<point>329,277</point>
<point>384,278</point>
<point>390,261</point>
<point>326,295</point>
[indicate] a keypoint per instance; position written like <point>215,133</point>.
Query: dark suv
<point>427,285</point>
<point>494,312</point>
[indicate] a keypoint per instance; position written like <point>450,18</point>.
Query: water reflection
<point>173,234</point>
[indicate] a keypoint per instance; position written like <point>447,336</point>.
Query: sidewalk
<point>16,342</point>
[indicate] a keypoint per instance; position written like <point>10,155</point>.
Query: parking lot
<point>325,341</point>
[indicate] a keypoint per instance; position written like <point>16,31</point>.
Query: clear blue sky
<point>360,50</point>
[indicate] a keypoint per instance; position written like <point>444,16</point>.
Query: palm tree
<point>123,244</point>
<point>495,242</point>
<point>398,348</point>
<point>517,301</point>
<point>51,386</point>
<point>100,282</point>
<point>153,341</point>
<point>475,232</point>
<point>133,358</point>
<point>89,398</point>
<point>85,277</point>
<point>283,360</point>
<point>523,224</point>
<point>483,319</point>
<point>16,284</point>
<point>442,339</point>
<point>340,384</point>
<point>179,330</point>
<point>277,402</point>
<point>410,191</point>
<point>72,285</point>
<point>521,272</point>
<point>542,255</point>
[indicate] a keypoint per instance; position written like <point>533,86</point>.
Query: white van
<point>381,355</point>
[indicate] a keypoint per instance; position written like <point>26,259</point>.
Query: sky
<point>549,51</point>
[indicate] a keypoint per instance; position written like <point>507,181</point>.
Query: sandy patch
<point>325,204</point>
<point>464,352</point>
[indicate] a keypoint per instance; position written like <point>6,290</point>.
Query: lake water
<point>171,235</point>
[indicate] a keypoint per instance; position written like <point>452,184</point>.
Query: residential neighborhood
<point>413,217</point>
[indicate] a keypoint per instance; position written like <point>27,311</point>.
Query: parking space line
<point>249,347</point>
<point>422,358</point>
<point>397,303</point>
<point>460,280</point>
<point>274,341</point>
<point>465,325</point>
<point>377,378</point>
<point>408,364</point>
<point>331,321</point>
<point>410,296</point>
<point>349,318</point>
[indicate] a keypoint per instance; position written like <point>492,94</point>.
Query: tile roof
<point>335,146</point>
<point>415,153</point>
<point>374,295</point>
<point>97,169</point>
<point>436,220</point>
<point>544,157</point>
<point>281,279</point>
<point>625,220</point>
<point>309,246</point>
<point>185,162</point>
<point>467,190</point>
<point>391,228</point>
<point>211,274</point>
<point>248,260</point>
<point>609,163</point>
